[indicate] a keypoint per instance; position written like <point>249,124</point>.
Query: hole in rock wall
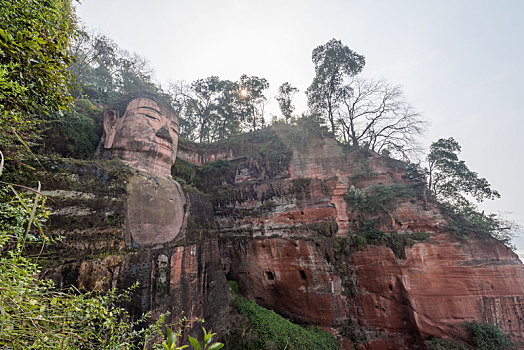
<point>390,288</point>
<point>302,274</point>
<point>270,275</point>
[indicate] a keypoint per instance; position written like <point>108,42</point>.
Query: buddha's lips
<point>164,145</point>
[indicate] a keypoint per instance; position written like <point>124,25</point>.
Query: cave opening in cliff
<point>270,275</point>
<point>303,274</point>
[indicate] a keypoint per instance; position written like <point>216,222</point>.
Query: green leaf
<point>170,342</point>
<point>215,346</point>
<point>207,337</point>
<point>1,162</point>
<point>194,343</point>
<point>3,34</point>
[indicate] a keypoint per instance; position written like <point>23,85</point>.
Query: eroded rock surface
<point>279,222</point>
<point>156,209</point>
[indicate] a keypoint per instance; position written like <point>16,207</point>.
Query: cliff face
<point>321,235</point>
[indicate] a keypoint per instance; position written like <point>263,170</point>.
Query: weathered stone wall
<point>282,228</point>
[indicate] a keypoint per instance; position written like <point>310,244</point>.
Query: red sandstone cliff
<point>283,230</point>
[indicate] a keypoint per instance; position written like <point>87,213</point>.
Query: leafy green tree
<point>134,74</point>
<point>285,100</point>
<point>211,109</point>
<point>449,178</point>
<point>204,104</point>
<point>334,63</point>
<point>180,94</point>
<point>252,101</point>
<point>453,184</point>
<point>34,37</point>
<point>228,121</point>
<point>95,55</point>
<point>105,71</point>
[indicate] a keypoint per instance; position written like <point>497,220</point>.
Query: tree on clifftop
<point>105,71</point>
<point>452,182</point>
<point>375,115</point>
<point>209,108</point>
<point>251,101</point>
<point>449,178</point>
<point>334,64</point>
<point>285,100</point>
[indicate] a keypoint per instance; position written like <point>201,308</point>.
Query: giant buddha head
<point>145,136</point>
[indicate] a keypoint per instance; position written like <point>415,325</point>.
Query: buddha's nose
<point>163,133</point>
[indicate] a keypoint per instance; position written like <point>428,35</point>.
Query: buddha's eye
<point>150,116</point>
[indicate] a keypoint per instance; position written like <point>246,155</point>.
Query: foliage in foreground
<point>37,316</point>
<point>171,340</point>
<point>34,36</point>
<point>274,331</point>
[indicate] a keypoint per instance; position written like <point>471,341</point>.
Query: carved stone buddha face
<point>145,137</point>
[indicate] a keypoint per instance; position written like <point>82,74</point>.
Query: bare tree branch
<point>376,115</point>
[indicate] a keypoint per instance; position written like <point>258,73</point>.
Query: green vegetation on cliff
<point>268,330</point>
<point>376,197</point>
<point>263,151</point>
<point>484,336</point>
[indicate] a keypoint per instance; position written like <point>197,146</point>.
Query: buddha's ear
<point>110,120</point>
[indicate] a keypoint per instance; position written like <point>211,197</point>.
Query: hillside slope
<point>320,234</point>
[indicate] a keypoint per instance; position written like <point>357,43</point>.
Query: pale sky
<point>460,62</point>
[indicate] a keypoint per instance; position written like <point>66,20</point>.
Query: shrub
<point>376,197</point>
<point>488,337</point>
<point>76,133</point>
<point>274,330</point>
<point>368,234</point>
<point>484,336</point>
<point>468,220</point>
<point>361,240</point>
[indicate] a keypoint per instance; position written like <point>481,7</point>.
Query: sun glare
<point>243,93</point>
